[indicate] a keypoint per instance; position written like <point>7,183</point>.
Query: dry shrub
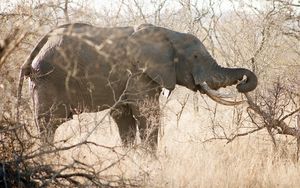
<point>149,109</point>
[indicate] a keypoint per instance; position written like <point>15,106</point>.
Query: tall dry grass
<point>186,156</point>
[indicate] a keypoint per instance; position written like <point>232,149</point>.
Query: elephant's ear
<point>151,51</point>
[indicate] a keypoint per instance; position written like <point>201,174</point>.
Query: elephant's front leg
<point>143,99</point>
<point>126,123</point>
<point>147,113</point>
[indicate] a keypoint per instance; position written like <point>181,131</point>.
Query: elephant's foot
<point>47,131</point>
<point>149,138</point>
<point>128,140</point>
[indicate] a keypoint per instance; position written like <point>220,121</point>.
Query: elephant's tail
<point>26,70</point>
<point>19,93</point>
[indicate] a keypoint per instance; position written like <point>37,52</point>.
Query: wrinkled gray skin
<point>79,67</point>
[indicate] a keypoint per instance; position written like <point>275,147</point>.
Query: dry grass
<point>185,158</point>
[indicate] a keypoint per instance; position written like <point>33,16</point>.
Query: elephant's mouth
<point>216,95</point>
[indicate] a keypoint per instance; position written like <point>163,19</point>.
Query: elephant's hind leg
<point>48,121</point>
<point>126,123</point>
<point>49,113</point>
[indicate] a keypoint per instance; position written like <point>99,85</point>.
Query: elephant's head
<point>170,58</point>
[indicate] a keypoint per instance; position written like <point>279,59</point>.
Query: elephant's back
<point>95,35</point>
<point>83,49</point>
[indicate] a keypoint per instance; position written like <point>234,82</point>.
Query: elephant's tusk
<point>216,93</point>
<point>166,93</point>
<point>218,97</point>
<point>243,81</point>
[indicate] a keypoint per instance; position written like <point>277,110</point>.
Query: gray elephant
<point>79,67</point>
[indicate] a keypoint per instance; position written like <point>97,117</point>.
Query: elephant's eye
<point>195,56</point>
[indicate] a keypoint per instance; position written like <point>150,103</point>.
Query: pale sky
<point>6,5</point>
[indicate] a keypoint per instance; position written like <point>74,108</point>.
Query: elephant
<point>79,68</point>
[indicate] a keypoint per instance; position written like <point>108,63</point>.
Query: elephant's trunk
<point>223,77</point>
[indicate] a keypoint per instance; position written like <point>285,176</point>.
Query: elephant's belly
<point>95,96</point>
